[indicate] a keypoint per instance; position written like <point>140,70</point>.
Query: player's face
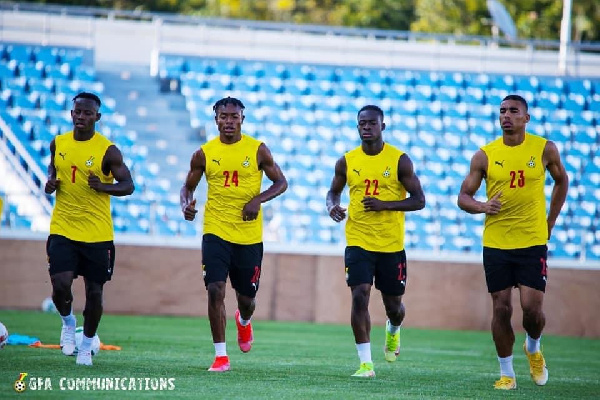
<point>84,115</point>
<point>370,126</point>
<point>513,116</point>
<point>229,120</point>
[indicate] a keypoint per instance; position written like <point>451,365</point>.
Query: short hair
<point>228,100</point>
<point>518,98</point>
<point>87,95</point>
<point>371,107</point>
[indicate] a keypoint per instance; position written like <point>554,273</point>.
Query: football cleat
<point>391,349</point>
<point>84,357</point>
<point>365,370</point>
<point>221,364</point>
<point>537,367</point>
<point>505,383</point>
<point>67,340</point>
<point>245,335</point>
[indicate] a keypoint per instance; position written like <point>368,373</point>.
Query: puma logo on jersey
<point>89,162</point>
<point>246,162</point>
<point>386,173</point>
<point>531,162</point>
<point>357,171</point>
<point>62,155</point>
<point>218,162</point>
<point>500,163</point>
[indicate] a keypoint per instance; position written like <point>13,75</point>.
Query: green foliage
<point>535,19</point>
<point>458,17</point>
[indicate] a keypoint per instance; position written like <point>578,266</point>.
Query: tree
<point>534,19</point>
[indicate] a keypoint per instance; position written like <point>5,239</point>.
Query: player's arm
<point>334,195</point>
<point>554,165</point>
<point>466,199</point>
<point>113,163</point>
<point>279,184</point>
<point>52,183</point>
<point>410,181</point>
<point>186,195</point>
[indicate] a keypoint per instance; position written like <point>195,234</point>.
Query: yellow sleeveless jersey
<point>81,213</point>
<point>518,172</point>
<point>233,179</point>
<point>374,176</point>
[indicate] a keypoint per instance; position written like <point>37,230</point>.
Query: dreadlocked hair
<point>228,100</point>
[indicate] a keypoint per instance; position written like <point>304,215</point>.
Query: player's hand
<point>51,185</point>
<point>189,212</point>
<point>94,182</point>
<point>550,227</point>
<point>373,204</point>
<point>251,209</point>
<point>493,205</point>
<point>337,213</point>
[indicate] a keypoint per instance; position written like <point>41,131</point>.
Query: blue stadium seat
<point>529,84</point>
<point>581,87</point>
<point>46,55</point>
<point>21,54</point>
<point>552,85</point>
<point>7,69</point>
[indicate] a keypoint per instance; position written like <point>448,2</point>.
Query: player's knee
<point>360,298</point>
<point>502,310</point>
<point>216,291</point>
<point>396,314</point>
<point>61,287</point>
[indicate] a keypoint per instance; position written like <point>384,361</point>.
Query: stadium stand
<point>306,113</point>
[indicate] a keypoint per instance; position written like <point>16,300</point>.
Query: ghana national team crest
<point>246,162</point>
<point>531,162</point>
<point>20,384</point>
<point>386,173</point>
<point>89,162</point>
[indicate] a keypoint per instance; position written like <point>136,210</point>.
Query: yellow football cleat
<point>365,371</point>
<point>537,367</point>
<point>505,383</point>
<point>391,349</point>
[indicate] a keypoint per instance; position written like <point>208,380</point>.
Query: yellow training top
<point>518,172</point>
<point>81,213</point>
<point>233,179</point>
<point>374,176</point>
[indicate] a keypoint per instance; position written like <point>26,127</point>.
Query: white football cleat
<point>84,357</point>
<point>67,340</point>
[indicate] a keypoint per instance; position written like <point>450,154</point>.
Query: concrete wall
<point>168,281</point>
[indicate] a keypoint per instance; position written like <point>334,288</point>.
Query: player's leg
<point>532,277</point>
<point>62,265</point>
<point>216,256</point>
<point>245,279</point>
<point>500,280</point>
<point>504,338</point>
<point>99,263</point>
<point>390,279</point>
<point>360,266</point>
<point>92,313</point>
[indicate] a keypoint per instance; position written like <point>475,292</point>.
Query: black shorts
<point>242,262</point>
<point>507,268</point>
<point>388,269</point>
<point>94,261</point>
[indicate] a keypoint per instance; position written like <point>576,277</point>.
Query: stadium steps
<point>160,120</point>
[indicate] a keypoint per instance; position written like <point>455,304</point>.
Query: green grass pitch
<point>290,360</point>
